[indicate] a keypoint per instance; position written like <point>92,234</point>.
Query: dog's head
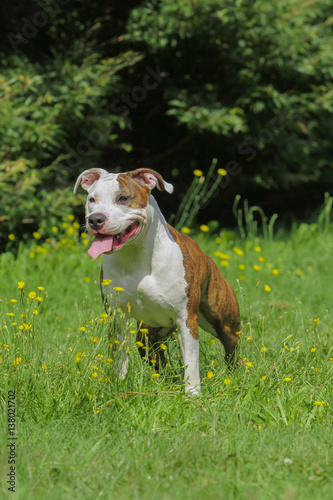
<point>116,208</point>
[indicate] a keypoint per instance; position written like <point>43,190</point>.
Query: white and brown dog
<point>167,279</point>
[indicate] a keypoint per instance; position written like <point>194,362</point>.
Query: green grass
<point>256,433</point>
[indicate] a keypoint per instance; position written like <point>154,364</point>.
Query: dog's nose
<point>96,221</point>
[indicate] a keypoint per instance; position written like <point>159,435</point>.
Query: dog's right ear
<point>87,178</point>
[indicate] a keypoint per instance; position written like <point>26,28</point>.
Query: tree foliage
<point>169,85</point>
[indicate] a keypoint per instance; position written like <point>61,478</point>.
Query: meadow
<point>261,432</point>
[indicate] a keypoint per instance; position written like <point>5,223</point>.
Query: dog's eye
<point>91,199</point>
<point>122,199</point>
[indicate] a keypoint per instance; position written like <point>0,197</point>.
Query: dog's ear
<point>151,179</point>
<point>87,178</point>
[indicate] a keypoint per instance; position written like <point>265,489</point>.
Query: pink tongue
<point>101,244</point>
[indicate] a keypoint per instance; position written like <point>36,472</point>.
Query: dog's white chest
<point>156,291</point>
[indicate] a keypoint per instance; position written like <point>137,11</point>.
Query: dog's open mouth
<point>106,243</point>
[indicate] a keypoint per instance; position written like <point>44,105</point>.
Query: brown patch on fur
<point>136,174</point>
<point>210,294</point>
<point>138,193</point>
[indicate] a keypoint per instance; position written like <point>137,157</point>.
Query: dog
<point>168,280</point>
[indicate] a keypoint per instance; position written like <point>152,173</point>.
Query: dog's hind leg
<point>149,341</point>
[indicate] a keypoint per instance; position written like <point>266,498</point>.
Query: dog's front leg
<point>188,336</point>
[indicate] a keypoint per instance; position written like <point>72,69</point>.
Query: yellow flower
<point>320,403</point>
<point>10,314</point>
<point>222,171</point>
<point>239,333</point>
<point>105,282</point>
<point>20,284</point>
<point>40,288</point>
<point>109,360</point>
<point>27,326</point>
<point>218,240</point>
<point>238,251</point>
<point>275,272</point>
<point>185,230</point>
<point>39,299</point>
<point>249,364</point>
<point>198,173</point>
<point>95,339</point>
<point>155,375</point>
<point>11,237</point>
<point>35,312</point>
<point>260,426</point>
<point>32,295</point>
<point>210,374</point>
<point>257,249</point>
<point>213,341</point>
<point>13,301</point>
<point>36,235</point>
<point>313,349</point>
<point>242,277</point>
<point>241,267</point>
<point>153,361</point>
<point>249,337</point>
<point>82,328</point>
<point>204,228</point>
<point>224,263</point>
<point>221,255</point>
<point>256,267</point>
<point>287,379</point>
<point>16,362</point>
<point>261,259</point>
<point>299,271</point>
<point>263,350</point>
<point>227,381</point>
<point>139,343</point>
<point>55,229</point>
<point>263,378</point>
<point>44,366</point>
<point>267,288</point>
<point>118,289</point>
<point>163,347</point>
<point>94,374</point>
<point>145,331</point>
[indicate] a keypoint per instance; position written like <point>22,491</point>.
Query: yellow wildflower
<point>105,282</point>
<point>222,171</point>
<point>118,289</point>
<point>224,263</point>
<point>210,374</point>
<point>16,362</point>
<point>238,251</point>
<point>320,403</point>
<point>32,295</point>
<point>257,249</point>
<point>267,288</point>
<point>256,267</point>
<point>275,272</point>
<point>185,230</point>
<point>227,381</point>
<point>163,347</point>
<point>204,228</point>
<point>222,255</point>
<point>20,284</point>
<point>11,237</point>
<point>198,173</point>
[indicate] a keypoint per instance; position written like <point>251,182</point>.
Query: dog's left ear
<point>151,179</point>
<point>87,178</point>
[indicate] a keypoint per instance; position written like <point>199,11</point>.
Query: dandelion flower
<point>222,255</point>
<point>256,267</point>
<point>238,251</point>
<point>313,349</point>
<point>20,284</point>
<point>224,263</point>
<point>139,343</point>
<point>155,375</point>
<point>11,237</point>
<point>275,272</point>
<point>118,289</point>
<point>222,171</point>
<point>257,249</point>
<point>204,228</point>
<point>249,364</point>
<point>32,295</point>
<point>320,403</point>
<point>105,282</point>
<point>210,374</point>
<point>16,362</point>
<point>287,379</point>
<point>241,267</point>
<point>198,173</point>
<point>163,347</point>
<point>185,230</point>
<point>267,288</point>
